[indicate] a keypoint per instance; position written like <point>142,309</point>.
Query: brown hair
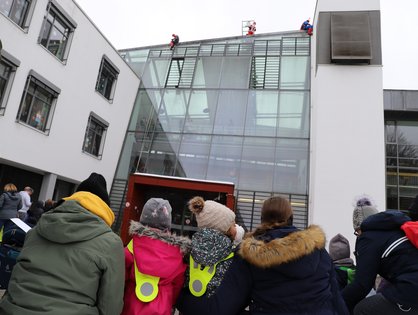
<point>276,211</point>
<point>10,187</point>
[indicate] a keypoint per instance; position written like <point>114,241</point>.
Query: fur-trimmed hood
<point>183,243</point>
<point>282,250</point>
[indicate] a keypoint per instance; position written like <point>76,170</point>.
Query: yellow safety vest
<point>146,288</point>
<point>200,277</point>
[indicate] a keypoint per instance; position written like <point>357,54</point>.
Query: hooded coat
<point>282,270</point>
<point>10,203</point>
<point>399,268</point>
<point>71,263</point>
<point>158,254</point>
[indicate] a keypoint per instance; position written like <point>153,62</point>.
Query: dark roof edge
<point>214,39</point>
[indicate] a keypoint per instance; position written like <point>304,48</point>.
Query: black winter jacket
<point>399,268</point>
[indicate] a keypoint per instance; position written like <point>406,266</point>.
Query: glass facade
<point>230,110</point>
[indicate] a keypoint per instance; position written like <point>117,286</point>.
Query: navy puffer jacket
<point>399,267</point>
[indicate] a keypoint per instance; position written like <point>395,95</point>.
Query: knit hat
<point>156,213</point>
<point>211,214</point>
<point>361,213</point>
<point>339,247</point>
<point>95,184</point>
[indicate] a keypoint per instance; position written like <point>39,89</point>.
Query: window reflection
<point>230,113</point>
<point>294,72</point>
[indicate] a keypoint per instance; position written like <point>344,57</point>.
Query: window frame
<point>107,64</point>
<point>26,16</point>
<point>9,61</point>
<point>58,15</point>
<point>94,118</point>
<point>36,82</point>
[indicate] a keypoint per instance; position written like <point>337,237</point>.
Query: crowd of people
<point>73,263</point>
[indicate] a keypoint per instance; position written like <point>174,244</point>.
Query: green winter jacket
<point>71,263</point>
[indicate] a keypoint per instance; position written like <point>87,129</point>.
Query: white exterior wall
<point>60,152</point>
<point>347,135</point>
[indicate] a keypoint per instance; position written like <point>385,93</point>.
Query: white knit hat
<point>211,214</point>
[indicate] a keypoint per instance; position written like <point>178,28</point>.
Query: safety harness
<point>201,275</point>
<point>146,288</point>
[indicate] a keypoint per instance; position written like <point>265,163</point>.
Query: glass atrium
<point>231,109</point>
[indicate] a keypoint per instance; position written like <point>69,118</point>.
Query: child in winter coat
<point>154,262</point>
<point>339,250</point>
<point>212,246</point>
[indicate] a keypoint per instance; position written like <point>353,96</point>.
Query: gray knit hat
<point>339,247</point>
<point>157,214</point>
<point>360,213</point>
<point>211,214</point>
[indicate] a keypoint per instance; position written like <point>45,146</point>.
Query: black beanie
<point>95,184</point>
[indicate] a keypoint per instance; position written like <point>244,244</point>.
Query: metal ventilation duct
<point>350,37</point>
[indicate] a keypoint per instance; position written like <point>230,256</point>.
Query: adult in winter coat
<point>10,203</point>
<point>382,248</point>
<point>71,263</point>
<point>279,270</point>
<point>154,252</point>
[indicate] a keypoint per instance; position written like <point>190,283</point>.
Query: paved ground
<point>2,292</point>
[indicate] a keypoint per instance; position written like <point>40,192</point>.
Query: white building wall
<point>347,135</point>
<point>60,152</point>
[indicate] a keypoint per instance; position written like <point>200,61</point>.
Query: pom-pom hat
<point>364,208</point>
<point>211,214</point>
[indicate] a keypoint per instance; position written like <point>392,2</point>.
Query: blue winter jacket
<point>399,268</point>
<point>282,271</point>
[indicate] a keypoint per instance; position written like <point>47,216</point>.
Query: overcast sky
<point>133,23</point>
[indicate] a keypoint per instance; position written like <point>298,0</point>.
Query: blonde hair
<point>10,188</point>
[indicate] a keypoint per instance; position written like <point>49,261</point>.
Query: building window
<point>38,103</point>
<point>106,81</point>
<point>8,66</point>
<point>95,135</point>
<point>180,73</point>
<point>57,31</point>
<point>19,11</point>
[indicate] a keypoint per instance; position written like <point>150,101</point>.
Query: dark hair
<point>34,213</point>
<point>49,204</point>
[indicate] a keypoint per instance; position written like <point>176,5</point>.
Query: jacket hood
<point>183,243</point>
<point>94,204</point>
<point>158,253</point>
<point>282,250</point>
<point>210,246</point>
<point>13,195</point>
<point>384,221</point>
<point>69,223</point>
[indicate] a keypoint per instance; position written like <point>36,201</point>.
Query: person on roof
<point>174,41</point>
<point>252,28</point>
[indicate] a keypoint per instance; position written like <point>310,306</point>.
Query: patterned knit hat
<point>156,214</point>
<point>95,184</point>
<point>211,214</point>
<point>361,213</point>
